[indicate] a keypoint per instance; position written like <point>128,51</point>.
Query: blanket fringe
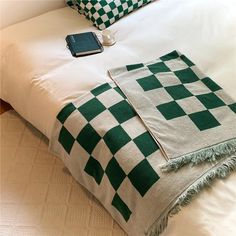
<point>210,154</point>
<point>219,172</point>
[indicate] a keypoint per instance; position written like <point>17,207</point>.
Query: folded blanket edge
<point>220,171</point>
<point>208,154</point>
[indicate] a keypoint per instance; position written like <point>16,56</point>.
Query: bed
<point>39,76</point>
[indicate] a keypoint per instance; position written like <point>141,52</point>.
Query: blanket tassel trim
<point>220,172</point>
<point>210,154</point>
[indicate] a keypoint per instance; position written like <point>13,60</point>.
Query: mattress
<point>39,75</point>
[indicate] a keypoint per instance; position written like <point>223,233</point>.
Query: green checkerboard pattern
<point>186,84</point>
<point>106,118</point>
<point>103,13</point>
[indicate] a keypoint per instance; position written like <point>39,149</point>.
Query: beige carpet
<point>38,195</point>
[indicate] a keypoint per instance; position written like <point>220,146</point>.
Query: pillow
<point>103,13</point>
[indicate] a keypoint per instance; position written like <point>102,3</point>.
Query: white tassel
<point>219,172</point>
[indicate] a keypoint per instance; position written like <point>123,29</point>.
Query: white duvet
<point>39,76</point>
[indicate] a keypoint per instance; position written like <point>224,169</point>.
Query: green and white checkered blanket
<point>117,150</point>
<point>172,96</point>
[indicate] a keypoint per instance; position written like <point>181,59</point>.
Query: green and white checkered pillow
<point>103,13</point>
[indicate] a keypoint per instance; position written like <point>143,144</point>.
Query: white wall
<point>13,11</point>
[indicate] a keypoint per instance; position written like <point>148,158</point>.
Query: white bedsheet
<point>39,75</point>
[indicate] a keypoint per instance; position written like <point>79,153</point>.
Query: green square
<point>70,3</point>
<point>233,107</point>
<point>110,14</point>
<point>94,10</point>
<point>187,61</point>
<point>126,11</point>
<point>112,5</point>
<point>186,76</point>
<point>120,8</point>
<point>66,139</point>
<point>122,111</point>
<point>124,210</point>
<point>170,56</point>
<point>211,84</point>
<point>101,89</point>
<point>130,3</point>
<point>88,138</point>
<point>115,173</point>
<point>103,3</point>
<point>146,144</point>
<point>117,17</point>
<point>210,100</point>
<point>158,67</point>
<point>65,112</point>
<point>92,19</point>
<point>100,12</point>
<point>107,23</point>
<point>171,110</point>
<point>149,83</point>
<point>94,169</point>
<point>178,92</point>
<point>91,109</point>
<point>98,21</point>
<point>143,177</point>
<point>135,6</point>
<point>134,66</point>
<point>204,120</point>
<point>116,138</point>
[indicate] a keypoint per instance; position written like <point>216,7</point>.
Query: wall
<point>13,11</point>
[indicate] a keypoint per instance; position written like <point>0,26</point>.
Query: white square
<point>121,14</point>
<point>125,157</point>
<point>102,191</point>
<point>219,114</point>
<point>134,127</point>
<point>107,8</point>
<point>104,18</point>
<point>125,6</point>
<point>89,5</point>
<point>168,79</point>
<point>197,88</point>
<point>96,15</point>
<point>115,12</point>
<point>101,26</point>
<point>140,3</point>
<point>102,153</point>
<point>75,123</point>
<point>191,105</point>
<point>97,6</point>
<point>131,8</point>
<point>112,20</point>
<point>78,155</point>
<point>156,160</point>
<point>159,96</point>
<point>110,98</point>
<point>104,122</point>
<point>125,191</point>
<point>176,64</point>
